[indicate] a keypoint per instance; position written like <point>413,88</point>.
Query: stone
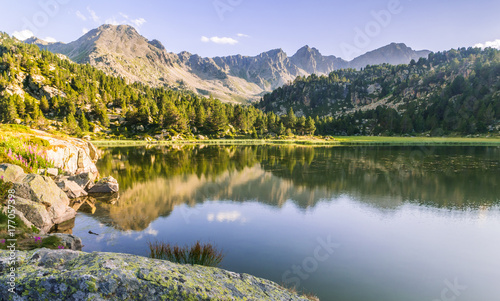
<point>83,179</point>
<point>72,189</point>
<point>58,275</point>
<point>35,213</point>
<point>50,171</point>
<point>68,241</point>
<point>140,128</point>
<point>105,185</point>
<point>20,215</point>
<point>11,172</point>
<point>71,154</point>
<point>42,202</point>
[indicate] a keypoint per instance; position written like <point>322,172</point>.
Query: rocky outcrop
<point>70,275</point>
<point>71,154</point>
<point>38,199</point>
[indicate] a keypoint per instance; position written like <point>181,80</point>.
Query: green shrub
<point>201,254</point>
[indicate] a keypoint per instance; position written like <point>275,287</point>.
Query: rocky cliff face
<point>70,275</point>
<point>122,51</point>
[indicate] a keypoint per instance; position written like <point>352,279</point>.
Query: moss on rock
<point>70,275</point>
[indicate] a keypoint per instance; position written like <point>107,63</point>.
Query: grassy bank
<point>335,141</point>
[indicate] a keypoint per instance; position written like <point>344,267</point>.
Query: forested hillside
<point>48,91</point>
<point>456,91</point>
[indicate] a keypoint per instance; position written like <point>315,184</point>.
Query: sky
<point>226,27</point>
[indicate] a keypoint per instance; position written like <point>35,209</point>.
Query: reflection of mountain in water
<point>155,180</point>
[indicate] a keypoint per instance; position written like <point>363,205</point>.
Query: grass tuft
<point>201,254</point>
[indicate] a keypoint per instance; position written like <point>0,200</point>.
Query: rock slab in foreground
<point>70,275</point>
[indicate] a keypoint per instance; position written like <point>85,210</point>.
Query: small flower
<point>37,238</point>
<point>2,241</point>
<point>60,247</point>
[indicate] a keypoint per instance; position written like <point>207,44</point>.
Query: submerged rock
<point>70,275</point>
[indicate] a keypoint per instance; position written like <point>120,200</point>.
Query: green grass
<point>201,254</point>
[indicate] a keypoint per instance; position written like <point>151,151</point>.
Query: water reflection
<point>154,180</point>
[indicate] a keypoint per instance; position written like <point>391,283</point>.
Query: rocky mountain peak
<point>35,40</point>
<point>121,50</point>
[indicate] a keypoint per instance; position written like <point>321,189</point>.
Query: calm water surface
<point>345,223</point>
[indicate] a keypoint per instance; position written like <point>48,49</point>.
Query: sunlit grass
<point>201,254</point>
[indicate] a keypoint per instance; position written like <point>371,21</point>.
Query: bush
<point>201,254</point>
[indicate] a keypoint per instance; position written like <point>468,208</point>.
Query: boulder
<point>35,213</point>
<point>83,179</point>
<point>11,172</point>
<point>42,202</point>
<point>55,275</point>
<point>71,154</point>
<point>68,241</point>
<point>105,185</point>
<point>72,189</point>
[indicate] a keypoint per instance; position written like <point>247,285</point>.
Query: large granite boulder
<point>71,154</point>
<point>70,275</point>
<point>11,172</point>
<point>42,202</point>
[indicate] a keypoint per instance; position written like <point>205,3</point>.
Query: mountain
<point>393,54</point>
<point>453,91</point>
<point>312,61</point>
<point>122,51</point>
<point>456,91</point>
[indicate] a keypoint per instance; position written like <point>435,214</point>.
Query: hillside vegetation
<point>456,91</point>
<point>47,91</point>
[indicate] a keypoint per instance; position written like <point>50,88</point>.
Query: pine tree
<point>310,126</point>
<point>83,123</point>
<point>44,104</point>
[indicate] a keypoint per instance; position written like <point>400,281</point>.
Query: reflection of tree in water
<point>154,180</point>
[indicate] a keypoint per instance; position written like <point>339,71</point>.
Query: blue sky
<point>225,27</point>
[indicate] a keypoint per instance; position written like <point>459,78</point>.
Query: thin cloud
<point>242,35</point>
<point>123,15</point>
<point>50,40</point>
<point>112,21</point>
<point>81,16</point>
<point>493,44</point>
<point>85,30</point>
<point>217,40</point>
<point>23,34</point>
<point>138,22</point>
<point>93,15</point>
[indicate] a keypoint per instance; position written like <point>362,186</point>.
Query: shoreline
<point>338,141</point>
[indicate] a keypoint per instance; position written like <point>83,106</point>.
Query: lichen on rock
<point>70,275</point>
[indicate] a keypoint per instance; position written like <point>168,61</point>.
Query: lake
<point>343,223</point>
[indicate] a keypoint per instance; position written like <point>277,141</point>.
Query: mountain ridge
<point>121,51</point>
